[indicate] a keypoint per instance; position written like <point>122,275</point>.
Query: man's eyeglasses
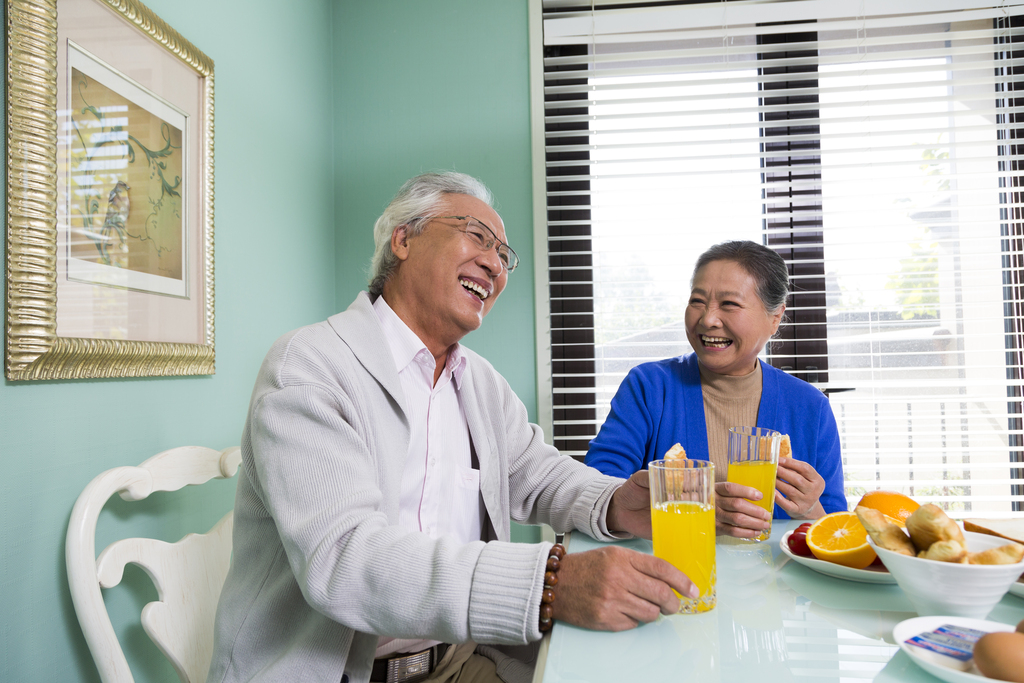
<point>485,239</point>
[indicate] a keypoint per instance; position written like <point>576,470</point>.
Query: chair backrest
<point>188,575</point>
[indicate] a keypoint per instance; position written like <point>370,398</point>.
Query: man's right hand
<point>615,589</point>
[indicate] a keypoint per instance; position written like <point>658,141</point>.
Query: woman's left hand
<point>798,488</point>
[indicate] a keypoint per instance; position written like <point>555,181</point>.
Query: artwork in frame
<point>109,194</point>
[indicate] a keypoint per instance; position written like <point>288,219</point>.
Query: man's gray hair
<point>417,199</point>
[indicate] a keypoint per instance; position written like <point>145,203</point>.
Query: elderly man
<point>382,462</point>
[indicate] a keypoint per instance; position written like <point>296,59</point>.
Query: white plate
<point>911,627</point>
<point>1017,588</point>
<point>880,575</point>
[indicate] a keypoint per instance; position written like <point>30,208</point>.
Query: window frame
<point>804,338</point>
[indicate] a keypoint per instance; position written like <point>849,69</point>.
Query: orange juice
<point>684,535</point>
<point>758,474</point>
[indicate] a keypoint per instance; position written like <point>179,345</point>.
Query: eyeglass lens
<point>485,239</point>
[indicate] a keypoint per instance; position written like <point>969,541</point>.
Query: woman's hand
<point>735,515</point>
<point>798,487</point>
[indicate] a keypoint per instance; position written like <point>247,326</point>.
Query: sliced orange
<point>839,537</point>
<point>891,504</point>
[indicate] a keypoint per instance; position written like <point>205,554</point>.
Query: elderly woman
<point>737,301</point>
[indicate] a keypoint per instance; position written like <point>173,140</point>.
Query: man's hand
<point>615,589</point>
<point>799,488</point>
<point>735,515</point>
<point>630,507</point>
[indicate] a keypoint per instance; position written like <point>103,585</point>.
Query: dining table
<point>775,620</point>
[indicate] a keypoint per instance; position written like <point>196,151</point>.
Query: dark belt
<point>409,667</point>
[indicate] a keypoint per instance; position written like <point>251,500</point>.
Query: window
<point>876,153</point>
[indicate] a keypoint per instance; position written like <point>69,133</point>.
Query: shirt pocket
<point>467,506</point>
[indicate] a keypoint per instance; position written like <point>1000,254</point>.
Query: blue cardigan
<point>660,404</point>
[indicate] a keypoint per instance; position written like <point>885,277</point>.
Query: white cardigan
<point>320,567</point>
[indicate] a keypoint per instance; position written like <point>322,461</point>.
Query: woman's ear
<point>777,319</point>
<point>400,242</point>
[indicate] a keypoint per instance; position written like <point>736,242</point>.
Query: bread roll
<point>945,551</point>
<point>677,452</point>
<point>883,532</point>
<point>929,524</point>
<point>1011,553</point>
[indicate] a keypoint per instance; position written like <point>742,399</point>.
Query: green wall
<point>275,271</point>
<point>323,108</point>
<point>425,85</point>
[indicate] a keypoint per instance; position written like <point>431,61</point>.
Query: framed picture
<point>109,194</point>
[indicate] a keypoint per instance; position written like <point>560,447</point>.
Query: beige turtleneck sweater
<point>729,401</point>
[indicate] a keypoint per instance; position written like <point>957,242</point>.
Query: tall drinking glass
<point>754,461</point>
<point>683,524</point>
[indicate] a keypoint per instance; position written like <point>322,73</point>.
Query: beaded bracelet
<point>547,596</point>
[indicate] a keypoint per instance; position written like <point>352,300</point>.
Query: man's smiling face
<point>446,284</point>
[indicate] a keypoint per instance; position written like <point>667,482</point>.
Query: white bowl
<point>946,588</point>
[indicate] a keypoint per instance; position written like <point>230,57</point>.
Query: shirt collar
<point>406,347</point>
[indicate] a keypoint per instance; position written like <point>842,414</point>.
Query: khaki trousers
<point>461,665</point>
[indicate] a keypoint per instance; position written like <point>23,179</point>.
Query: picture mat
<point>90,270</point>
<point>96,312</point>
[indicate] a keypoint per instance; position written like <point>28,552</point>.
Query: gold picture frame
<point>93,288</point>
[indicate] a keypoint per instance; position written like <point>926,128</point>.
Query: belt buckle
<point>410,668</point>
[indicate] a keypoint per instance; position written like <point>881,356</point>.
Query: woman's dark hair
<point>765,265</point>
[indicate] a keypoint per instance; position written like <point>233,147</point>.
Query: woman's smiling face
<point>726,323</point>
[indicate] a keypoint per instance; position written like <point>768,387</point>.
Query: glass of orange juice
<point>683,524</point>
<point>753,461</point>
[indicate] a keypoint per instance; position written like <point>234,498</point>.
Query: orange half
<point>890,503</point>
<point>839,537</point>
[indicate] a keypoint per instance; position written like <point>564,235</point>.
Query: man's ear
<point>400,242</point>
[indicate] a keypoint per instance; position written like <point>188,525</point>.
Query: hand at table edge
<point>616,589</point>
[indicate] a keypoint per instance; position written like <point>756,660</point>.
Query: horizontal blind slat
<point>910,297</point>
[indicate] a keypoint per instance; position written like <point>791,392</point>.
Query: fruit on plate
<point>890,503</point>
<point>839,537</point>
<point>798,541</point>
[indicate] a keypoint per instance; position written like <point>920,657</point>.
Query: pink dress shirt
<point>440,488</point>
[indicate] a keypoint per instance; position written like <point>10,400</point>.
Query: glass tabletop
<point>775,620</point>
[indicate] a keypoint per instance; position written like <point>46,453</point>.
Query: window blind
<point>874,147</point>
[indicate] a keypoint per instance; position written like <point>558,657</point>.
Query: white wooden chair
<point>188,575</point>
